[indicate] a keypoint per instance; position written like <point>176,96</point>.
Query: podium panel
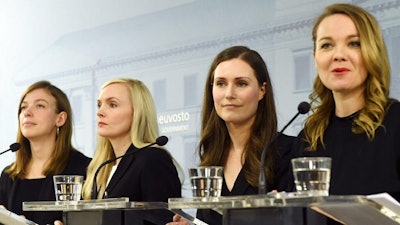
<point>276,209</point>
<point>118,217</point>
<point>294,209</point>
<point>94,217</point>
<point>273,216</point>
<point>117,211</point>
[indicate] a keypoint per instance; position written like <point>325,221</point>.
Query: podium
<point>292,209</point>
<point>274,209</point>
<point>113,211</point>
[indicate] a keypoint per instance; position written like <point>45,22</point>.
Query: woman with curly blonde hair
<point>354,120</point>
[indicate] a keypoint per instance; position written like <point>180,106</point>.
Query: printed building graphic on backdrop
<point>171,51</point>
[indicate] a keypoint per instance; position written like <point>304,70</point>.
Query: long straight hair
<point>63,145</point>
<point>214,138</point>
<point>144,130</point>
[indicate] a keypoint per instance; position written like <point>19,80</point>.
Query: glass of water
<point>206,181</point>
<point>68,187</point>
<point>312,175</point>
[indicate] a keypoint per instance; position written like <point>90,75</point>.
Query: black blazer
<point>147,175</point>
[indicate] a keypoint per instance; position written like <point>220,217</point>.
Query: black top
<point>242,187</point>
<point>360,166</point>
<point>146,175</point>
<point>14,192</point>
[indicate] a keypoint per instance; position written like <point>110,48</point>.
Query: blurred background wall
<point>80,44</point>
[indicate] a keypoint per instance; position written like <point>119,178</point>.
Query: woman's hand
<point>177,220</point>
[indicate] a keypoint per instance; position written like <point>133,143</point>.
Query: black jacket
<point>146,175</point>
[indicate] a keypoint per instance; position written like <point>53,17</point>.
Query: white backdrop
<point>79,44</point>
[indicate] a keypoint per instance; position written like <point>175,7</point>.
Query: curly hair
<point>377,84</point>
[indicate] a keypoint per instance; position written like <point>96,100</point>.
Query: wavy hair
<point>377,84</point>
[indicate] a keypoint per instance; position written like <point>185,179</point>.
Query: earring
<point>58,130</point>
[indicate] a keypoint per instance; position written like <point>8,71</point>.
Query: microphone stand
<point>162,140</point>
<point>303,108</point>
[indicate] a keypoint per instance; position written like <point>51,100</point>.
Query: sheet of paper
<point>9,218</point>
<point>387,201</point>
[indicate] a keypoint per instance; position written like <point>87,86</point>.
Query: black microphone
<point>13,147</point>
<point>303,108</point>
<point>160,141</point>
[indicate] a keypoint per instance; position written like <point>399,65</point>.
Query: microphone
<point>160,141</point>
<point>303,108</point>
<point>13,147</point>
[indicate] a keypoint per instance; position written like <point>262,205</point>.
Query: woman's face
<point>38,117</point>
<point>338,56</point>
<point>115,112</point>
<point>236,92</point>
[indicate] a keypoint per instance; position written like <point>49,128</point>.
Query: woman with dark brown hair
<point>238,120</point>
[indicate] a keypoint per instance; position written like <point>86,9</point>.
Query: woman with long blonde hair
<point>126,122</point>
<point>354,120</point>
